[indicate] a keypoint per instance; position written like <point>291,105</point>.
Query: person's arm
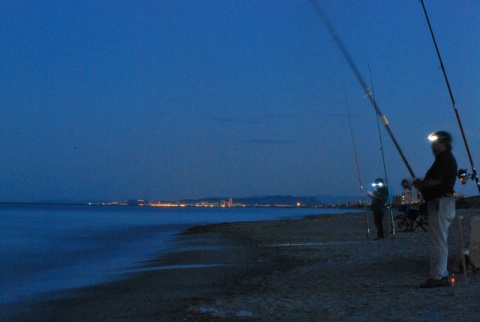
<point>375,195</point>
<point>432,179</point>
<point>426,184</point>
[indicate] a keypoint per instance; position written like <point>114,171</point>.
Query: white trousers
<point>441,212</point>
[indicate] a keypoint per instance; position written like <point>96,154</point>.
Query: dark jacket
<point>379,198</point>
<point>444,170</point>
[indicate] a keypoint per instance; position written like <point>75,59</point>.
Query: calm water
<point>53,248</point>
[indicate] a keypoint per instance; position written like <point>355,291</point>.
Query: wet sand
<point>320,268</point>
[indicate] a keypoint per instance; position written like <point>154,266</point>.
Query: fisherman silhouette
<point>379,197</point>
<point>437,189</point>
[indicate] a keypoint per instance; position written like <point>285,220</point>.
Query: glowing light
<point>432,137</point>
<point>159,204</point>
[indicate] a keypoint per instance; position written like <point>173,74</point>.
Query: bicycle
<point>411,218</point>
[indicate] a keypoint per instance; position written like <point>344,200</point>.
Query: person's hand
<point>417,183</point>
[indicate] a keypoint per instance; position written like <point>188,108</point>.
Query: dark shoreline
<point>52,305</point>
<point>316,268</point>
<point>175,284</point>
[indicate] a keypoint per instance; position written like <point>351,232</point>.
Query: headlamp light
<point>440,135</point>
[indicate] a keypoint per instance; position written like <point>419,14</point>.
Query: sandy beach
<point>320,268</point>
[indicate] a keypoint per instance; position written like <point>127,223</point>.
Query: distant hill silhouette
<point>287,200</point>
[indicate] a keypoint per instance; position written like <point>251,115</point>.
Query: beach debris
<point>208,310</point>
<point>243,313</point>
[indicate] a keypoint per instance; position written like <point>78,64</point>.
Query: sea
<point>55,248</point>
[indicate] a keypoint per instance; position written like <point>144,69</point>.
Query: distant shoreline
<point>172,206</point>
<point>462,203</point>
<point>277,201</point>
<point>44,203</point>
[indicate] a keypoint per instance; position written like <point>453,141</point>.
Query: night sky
<point>111,100</point>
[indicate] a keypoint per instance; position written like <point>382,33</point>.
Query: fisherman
<point>437,190</point>
<point>379,197</point>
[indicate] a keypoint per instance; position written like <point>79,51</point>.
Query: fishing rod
<point>392,224</point>
<point>462,174</point>
<point>362,192</point>
<point>362,82</point>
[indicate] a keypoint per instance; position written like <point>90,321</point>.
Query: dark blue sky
<point>188,99</point>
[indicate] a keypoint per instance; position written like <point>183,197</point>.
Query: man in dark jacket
<point>379,198</point>
<point>437,190</point>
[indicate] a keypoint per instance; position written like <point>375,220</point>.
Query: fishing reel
<point>463,176</point>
